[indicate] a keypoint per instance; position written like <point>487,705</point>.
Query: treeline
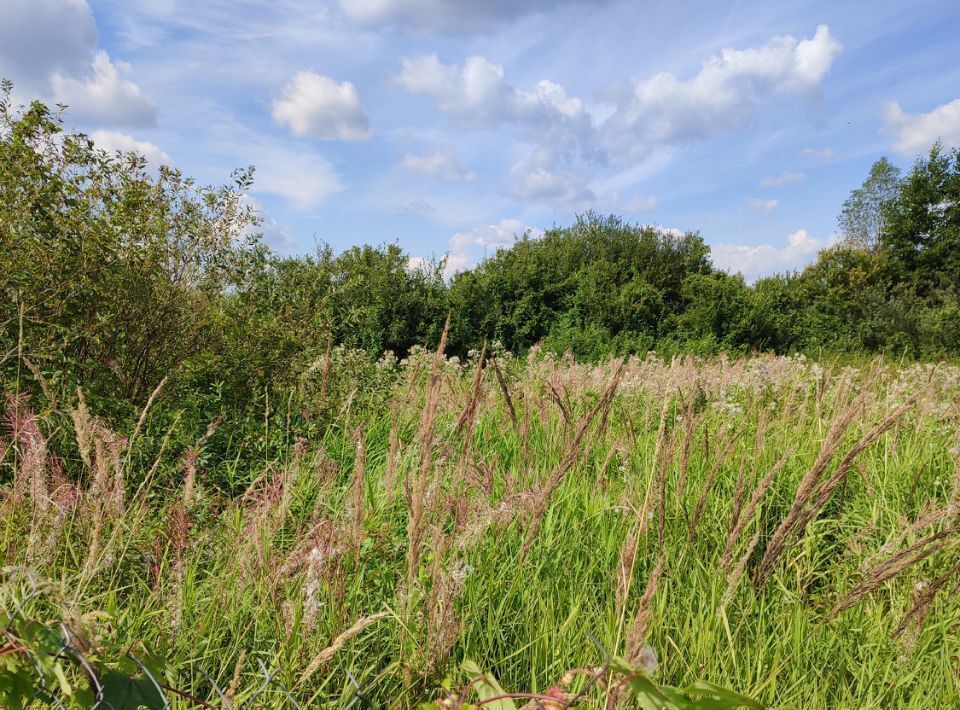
<point>115,276</point>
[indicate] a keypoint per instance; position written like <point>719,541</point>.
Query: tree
<point>922,233</point>
<point>862,218</point>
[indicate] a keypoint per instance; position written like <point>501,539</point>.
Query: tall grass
<point>786,529</point>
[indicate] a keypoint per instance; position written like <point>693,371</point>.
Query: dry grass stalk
<point>463,432</point>
<point>637,633</point>
<point>359,626</point>
<point>393,456</point>
<point>689,421</point>
<point>734,576</point>
<point>235,680</point>
<point>357,494</point>
<point>558,400</point>
<point>811,486</point>
<point>501,380</point>
<point>894,565</point>
<point>573,453</point>
<point>743,520</point>
<point>923,600</point>
<point>417,486</point>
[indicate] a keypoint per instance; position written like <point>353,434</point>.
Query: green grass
<point>527,619</point>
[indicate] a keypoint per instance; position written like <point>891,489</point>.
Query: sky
<point>450,127</point>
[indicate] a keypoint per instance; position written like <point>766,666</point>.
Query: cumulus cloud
<point>723,96</point>
<point>556,123</point>
<point>316,106</point>
<point>40,37</point>
<point>113,141</point>
<point>754,261</point>
<point>49,48</point>
<point>444,15</point>
<point>477,93</point>
<point>104,97</point>
<point>439,164</point>
<point>466,246</point>
<point>763,206</point>
<point>915,133</point>
<point>782,179</point>
<point>540,180</point>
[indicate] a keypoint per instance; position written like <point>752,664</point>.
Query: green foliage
<point>644,691</point>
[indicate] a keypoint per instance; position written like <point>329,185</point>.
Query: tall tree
<point>862,218</point>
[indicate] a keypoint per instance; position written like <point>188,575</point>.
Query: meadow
<point>504,532</point>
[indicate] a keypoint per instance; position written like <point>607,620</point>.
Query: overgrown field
<point>773,526</point>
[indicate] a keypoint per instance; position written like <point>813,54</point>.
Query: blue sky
<point>447,127</point>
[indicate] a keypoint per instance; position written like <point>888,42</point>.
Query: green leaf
<point>122,691</point>
<point>486,687</point>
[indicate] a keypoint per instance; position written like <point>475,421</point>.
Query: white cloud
<point>723,96</point>
<point>754,261</point>
<point>915,133</point>
<point>303,178</point>
<point>782,179</point>
<point>113,141</point>
<point>477,93</point>
<point>557,124</point>
<point>763,206</point>
<point>540,180</point>
<point>317,106</point>
<point>443,15</point>
<point>40,37</point>
<point>104,97</point>
<point>823,154</point>
<point>439,163</point>
<point>464,246</point>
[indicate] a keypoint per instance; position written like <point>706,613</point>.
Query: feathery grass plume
<point>800,516</point>
<point>809,485</point>
<point>558,400</point>
<point>736,574</point>
<point>894,565</point>
<point>736,529</point>
<point>741,488</point>
<point>463,431</point>
<point>418,479</point>
<point>689,421</point>
<point>357,493</point>
<point>708,485</point>
<point>573,453</point>
<point>359,626</point>
<point>143,418</point>
<point>31,472</point>
<point>84,426</point>
<point>393,457</point>
<point>924,597</point>
<point>48,392</point>
<point>637,633</point>
<point>602,475</point>
<point>235,679</point>
<point>505,390</point>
